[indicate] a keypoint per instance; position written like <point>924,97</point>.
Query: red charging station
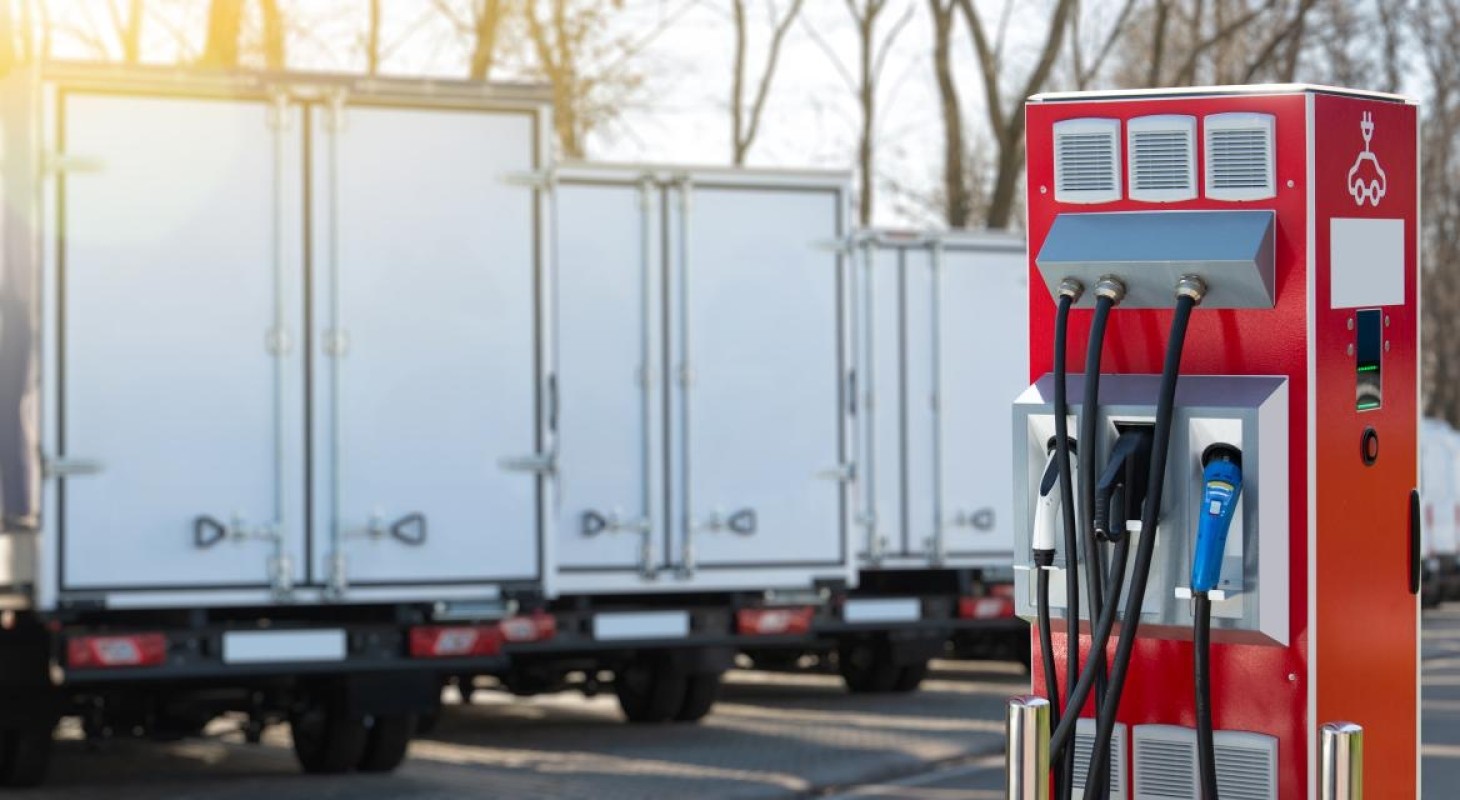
<point>1338,170</point>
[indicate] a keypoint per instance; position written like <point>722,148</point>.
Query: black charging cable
<point>1189,292</point>
<point>1070,291</point>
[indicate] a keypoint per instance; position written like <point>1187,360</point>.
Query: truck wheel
<point>910,677</point>
<point>700,693</point>
<point>650,689</point>
<point>327,742</point>
<point>387,742</point>
<point>25,756</point>
<point>867,668</point>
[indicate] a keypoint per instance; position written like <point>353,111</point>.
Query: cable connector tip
<point>1193,287</point>
<point>1071,288</point>
<point>1111,288</point>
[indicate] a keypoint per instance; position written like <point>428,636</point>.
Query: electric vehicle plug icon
<point>1221,487</point>
<point>1369,189</point>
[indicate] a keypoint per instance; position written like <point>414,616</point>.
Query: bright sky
<point>680,114</point>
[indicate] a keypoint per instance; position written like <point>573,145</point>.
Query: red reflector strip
<point>985,607</point>
<point>103,652</point>
<point>774,621</point>
<point>466,641</point>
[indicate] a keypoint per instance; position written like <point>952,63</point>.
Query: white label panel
<point>1366,259</point>
<point>897,609</point>
<point>641,625</point>
<point>268,647</point>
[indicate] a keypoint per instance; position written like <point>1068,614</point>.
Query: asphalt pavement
<point>773,735</point>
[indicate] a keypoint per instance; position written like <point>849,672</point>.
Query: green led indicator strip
<point>1369,368</point>
<point>1368,404</point>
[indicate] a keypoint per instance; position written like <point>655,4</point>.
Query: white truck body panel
<point>170,324</point>
<point>717,467</point>
<point>940,369</point>
<point>1439,465</point>
<point>437,304</point>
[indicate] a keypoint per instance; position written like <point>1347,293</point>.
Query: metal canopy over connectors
<point>1150,253</point>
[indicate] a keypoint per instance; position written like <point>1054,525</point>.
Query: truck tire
<point>327,742</point>
<point>651,689</point>
<point>387,742</point>
<point>910,677</point>
<point>701,691</point>
<point>25,756</point>
<point>867,668</point>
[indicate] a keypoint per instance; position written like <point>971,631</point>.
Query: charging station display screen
<point>1367,352</point>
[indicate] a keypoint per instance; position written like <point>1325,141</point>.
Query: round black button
<point>1369,447</point>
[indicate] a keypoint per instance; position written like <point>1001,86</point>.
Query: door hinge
<point>842,473</point>
<point>69,467</point>
<point>545,179</point>
<point>54,163</point>
<point>277,118</point>
<point>336,343</point>
<point>537,463</point>
<point>334,119</point>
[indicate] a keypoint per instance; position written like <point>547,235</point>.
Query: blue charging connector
<point>1221,487</point>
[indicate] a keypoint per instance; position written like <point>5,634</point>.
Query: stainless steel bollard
<point>1341,761</point>
<point>1027,748</point>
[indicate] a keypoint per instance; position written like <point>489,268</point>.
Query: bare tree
<point>1084,73</point>
<point>129,29</point>
<point>225,28</point>
<point>222,45</point>
<point>872,51</point>
<point>484,25</point>
<point>1437,29</point>
<point>1186,42</point>
<point>1007,124</point>
<point>957,198</point>
<point>372,38</point>
<point>273,34</point>
<point>744,125</point>
<point>592,64</point>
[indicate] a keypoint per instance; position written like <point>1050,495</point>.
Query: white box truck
<point>936,372</point>
<point>273,400</point>
<point>1439,464</point>
<point>703,460</point>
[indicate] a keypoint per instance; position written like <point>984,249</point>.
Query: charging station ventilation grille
<point>1162,152</point>
<point>1239,150</point>
<point>1084,743</point>
<point>1087,160</point>
<point>1166,765</point>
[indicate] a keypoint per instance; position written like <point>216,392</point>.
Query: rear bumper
<point>203,655</point>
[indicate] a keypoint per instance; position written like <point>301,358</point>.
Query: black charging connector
<point>1123,479</point>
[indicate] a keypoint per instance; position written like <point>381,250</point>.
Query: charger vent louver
<point>1084,743</point>
<point>1087,160</point>
<point>1239,157</point>
<point>1166,767</point>
<point>1246,765</point>
<point>1165,762</point>
<point>1162,153</point>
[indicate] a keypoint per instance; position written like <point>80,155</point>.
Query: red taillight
<point>455,641</point>
<point>534,628</point>
<point>985,607</point>
<point>1002,590</point>
<point>130,650</point>
<point>774,621</point>
<point>466,641</point>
